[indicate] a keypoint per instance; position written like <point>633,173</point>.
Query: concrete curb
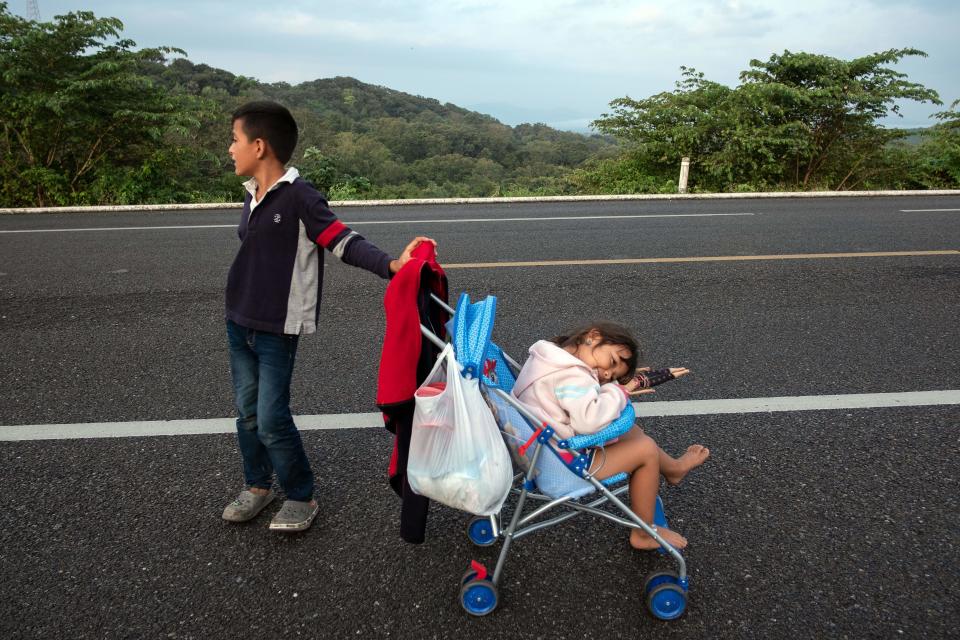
<point>339,204</point>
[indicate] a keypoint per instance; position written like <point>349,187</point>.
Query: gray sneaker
<point>247,506</point>
<point>294,516</point>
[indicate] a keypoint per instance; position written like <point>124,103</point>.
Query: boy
<point>272,297</point>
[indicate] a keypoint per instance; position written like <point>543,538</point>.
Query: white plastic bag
<point>457,456</point>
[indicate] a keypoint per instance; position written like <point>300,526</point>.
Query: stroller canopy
<point>472,328</point>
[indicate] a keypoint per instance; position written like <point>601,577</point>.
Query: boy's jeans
<point>262,366</point>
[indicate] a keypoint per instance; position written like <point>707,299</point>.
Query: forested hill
<point>88,118</point>
<point>324,95</point>
<point>357,101</point>
<point>363,140</point>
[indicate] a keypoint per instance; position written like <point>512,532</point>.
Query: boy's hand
<point>396,265</point>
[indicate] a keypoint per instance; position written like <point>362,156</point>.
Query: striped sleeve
<point>325,229</point>
<point>336,237</point>
<point>321,225</point>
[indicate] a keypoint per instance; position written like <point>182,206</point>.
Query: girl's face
<point>608,360</point>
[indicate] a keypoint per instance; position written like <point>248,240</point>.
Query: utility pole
<point>33,11</point>
<point>684,173</point>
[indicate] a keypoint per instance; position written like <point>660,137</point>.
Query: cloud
<point>536,54</point>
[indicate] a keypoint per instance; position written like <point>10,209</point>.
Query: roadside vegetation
<point>88,118</point>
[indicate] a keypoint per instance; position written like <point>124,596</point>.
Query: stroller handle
<point>435,340</point>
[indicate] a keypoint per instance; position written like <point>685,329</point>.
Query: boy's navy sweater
<point>276,279</point>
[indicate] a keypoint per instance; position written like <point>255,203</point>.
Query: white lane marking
<point>536,218</point>
<point>621,261</point>
<point>923,210</point>
<point>428,221</point>
<point>172,226</point>
<point>205,426</point>
<point>368,420</point>
<point>799,403</point>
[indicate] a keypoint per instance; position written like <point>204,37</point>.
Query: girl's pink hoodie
<point>565,393</point>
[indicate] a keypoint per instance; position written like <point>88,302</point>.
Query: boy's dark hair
<point>610,333</point>
<point>272,122</point>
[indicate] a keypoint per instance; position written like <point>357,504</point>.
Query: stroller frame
<point>665,591</point>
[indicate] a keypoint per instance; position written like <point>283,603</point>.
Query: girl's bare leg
<point>639,456</point>
<point>673,469</point>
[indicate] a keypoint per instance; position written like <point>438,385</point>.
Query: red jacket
<point>406,360</point>
<point>407,304</point>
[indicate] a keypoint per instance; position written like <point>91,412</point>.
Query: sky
<point>560,62</point>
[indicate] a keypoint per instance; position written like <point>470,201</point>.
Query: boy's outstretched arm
<point>396,265</point>
<point>325,229</point>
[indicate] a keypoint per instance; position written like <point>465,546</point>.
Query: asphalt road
<point>803,524</point>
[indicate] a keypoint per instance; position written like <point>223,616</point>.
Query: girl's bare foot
<point>640,540</point>
<point>695,456</point>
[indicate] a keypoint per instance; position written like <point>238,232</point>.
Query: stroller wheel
<point>478,597</point>
<point>658,578</point>
<point>480,531</point>
<point>667,601</point>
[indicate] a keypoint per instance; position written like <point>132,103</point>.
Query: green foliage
<point>940,152</point>
<point>408,146</point>
<point>74,108</point>
<point>320,169</point>
<point>796,121</point>
<point>85,118</point>
<point>350,189</point>
<point>88,119</point>
<point>626,174</point>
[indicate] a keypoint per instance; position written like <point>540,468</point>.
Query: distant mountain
<point>352,98</point>
<point>562,118</point>
<point>915,136</point>
<point>377,141</point>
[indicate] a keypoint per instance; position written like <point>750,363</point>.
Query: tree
<point>798,120</point>
<point>87,119</point>
<point>74,105</point>
<point>940,153</point>
<point>319,169</point>
<point>694,120</point>
<point>834,105</point>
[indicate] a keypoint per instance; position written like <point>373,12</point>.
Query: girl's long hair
<point>610,333</point>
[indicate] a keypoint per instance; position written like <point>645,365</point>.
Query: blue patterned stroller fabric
<point>472,328</point>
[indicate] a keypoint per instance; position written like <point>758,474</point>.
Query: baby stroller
<point>550,471</point>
